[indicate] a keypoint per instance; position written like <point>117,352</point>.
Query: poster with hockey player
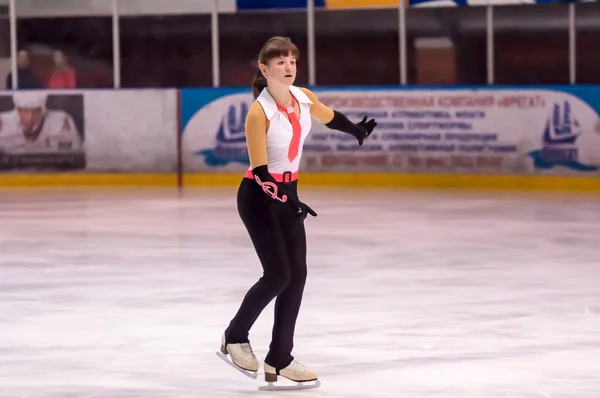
<point>41,131</point>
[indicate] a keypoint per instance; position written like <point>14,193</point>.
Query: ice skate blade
<point>300,385</point>
<point>252,375</point>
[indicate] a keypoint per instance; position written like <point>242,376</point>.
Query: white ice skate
<point>242,358</point>
<point>295,371</point>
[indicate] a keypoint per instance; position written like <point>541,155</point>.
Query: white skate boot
<point>295,371</point>
<point>242,357</point>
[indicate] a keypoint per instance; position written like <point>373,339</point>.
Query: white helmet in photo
<point>30,100</point>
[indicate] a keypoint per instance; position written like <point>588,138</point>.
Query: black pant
<point>279,239</point>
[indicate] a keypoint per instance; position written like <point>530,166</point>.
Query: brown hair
<point>275,47</point>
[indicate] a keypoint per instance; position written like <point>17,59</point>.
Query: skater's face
<point>280,70</point>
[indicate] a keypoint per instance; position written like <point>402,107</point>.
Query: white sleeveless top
<point>279,134</point>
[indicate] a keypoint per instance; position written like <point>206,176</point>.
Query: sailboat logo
<point>559,146</point>
<point>231,139</point>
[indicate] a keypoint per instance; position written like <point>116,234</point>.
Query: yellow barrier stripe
<point>87,179</point>
<point>395,180</point>
<point>336,4</point>
<point>391,180</point>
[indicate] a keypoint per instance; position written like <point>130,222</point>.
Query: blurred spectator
<point>64,75</point>
<point>26,79</point>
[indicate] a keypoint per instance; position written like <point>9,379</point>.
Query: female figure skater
<point>277,124</point>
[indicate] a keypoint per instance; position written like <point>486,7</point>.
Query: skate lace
<point>247,350</point>
<point>299,367</point>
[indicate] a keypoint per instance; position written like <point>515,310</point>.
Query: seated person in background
<point>26,79</point>
<point>64,75</point>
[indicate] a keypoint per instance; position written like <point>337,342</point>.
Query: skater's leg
<point>287,304</point>
<point>259,217</point>
<point>279,360</point>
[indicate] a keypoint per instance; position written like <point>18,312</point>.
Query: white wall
<point>46,8</point>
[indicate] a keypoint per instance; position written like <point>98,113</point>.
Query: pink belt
<point>286,177</point>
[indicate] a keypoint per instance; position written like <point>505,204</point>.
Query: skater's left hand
<point>366,128</point>
<point>304,210</point>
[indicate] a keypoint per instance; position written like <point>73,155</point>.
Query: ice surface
<point>410,294</point>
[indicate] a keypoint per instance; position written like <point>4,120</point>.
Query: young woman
<point>277,124</point>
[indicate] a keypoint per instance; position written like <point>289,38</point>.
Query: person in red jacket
<point>64,75</point>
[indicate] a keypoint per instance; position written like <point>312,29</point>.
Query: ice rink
<point>410,294</point>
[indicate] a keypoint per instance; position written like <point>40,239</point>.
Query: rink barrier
<point>322,180</point>
<point>532,138</point>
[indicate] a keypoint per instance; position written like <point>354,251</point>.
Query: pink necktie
<point>296,130</point>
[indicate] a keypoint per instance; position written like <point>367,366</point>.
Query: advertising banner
<point>214,138</point>
<point>454,3</point>
<point>41,132</point>
<point>554,131</point>
<point>79,131</point>
<point>243,5</point>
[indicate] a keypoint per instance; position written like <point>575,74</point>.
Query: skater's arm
<point>256,135</point>
<point>318,110</point>
<point>338,121</point>
<point>256,141</point>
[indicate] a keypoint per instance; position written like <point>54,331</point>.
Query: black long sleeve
<point>341,123</point>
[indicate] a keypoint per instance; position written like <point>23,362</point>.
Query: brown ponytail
<point>275,47</point>
<point>258,84</point>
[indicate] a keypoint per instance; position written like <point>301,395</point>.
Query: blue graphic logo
<point>559,142</point>
<point>231,139</point>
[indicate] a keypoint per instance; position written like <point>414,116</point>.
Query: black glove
<point>270,186</point>
<point>366,129</point>
<point>360,130</point>
<point>304,210</point>
<point>278,191</point>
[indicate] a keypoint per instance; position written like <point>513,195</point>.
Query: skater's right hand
<point>272,188</point>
